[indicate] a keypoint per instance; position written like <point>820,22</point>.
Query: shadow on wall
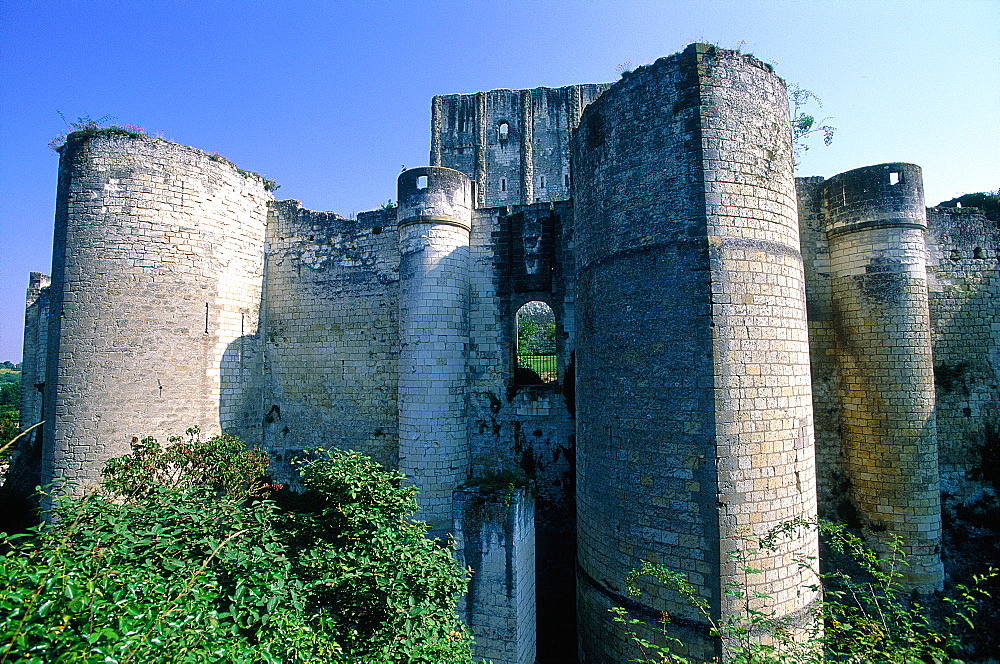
<point>241,389</point>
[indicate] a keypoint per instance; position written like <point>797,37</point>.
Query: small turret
<point>875,225</point>
<point>435,216</point>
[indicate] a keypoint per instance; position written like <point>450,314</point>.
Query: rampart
<point>734,348</point>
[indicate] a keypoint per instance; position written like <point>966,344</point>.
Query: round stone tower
<point>156,286</point>
<point>875,225</point>
<point>435,217</point>
<point>694,413</point>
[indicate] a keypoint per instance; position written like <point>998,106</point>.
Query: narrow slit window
<point>895,177</point>
<point>541,182</point>
<point>503,184</point>
<point>566,180</point>
<point>421,182</point>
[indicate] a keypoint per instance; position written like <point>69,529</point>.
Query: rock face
<point>734,348</point>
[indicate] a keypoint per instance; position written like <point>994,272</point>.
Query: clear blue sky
<point>331,97</point>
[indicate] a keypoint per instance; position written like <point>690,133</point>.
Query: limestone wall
<point>830,469</point>
<point>963,250</point>
<point>763,397</point>
<point>694,423</point>
<point>514,144</point>
<point>495,539</point>
<point>527,429</point>
<point>157,271</point>
<point>331,334</point>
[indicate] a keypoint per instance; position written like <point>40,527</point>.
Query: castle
<point>735,347</point>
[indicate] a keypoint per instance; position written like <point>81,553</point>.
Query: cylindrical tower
<point>694,415</point>
<point>435,217</point>
<point>875,224</point>
<point>156,284</point>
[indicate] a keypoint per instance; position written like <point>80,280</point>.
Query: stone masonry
<point>735,348</point>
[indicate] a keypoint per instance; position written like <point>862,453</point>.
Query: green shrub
<point>189,555</point>
<point>866,615</point>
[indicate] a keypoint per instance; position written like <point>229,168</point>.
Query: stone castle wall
<point>157,271</point>
<point>331,340</point>
<point>512,143</point>
<point>963,265</point>
<point>435,216</point>
<point>36,332</point>
<point>875,223</point>
<point>830,469</point>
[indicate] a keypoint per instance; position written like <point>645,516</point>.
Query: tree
<point>186,554</point>
<point>805,124</point>
<point>10,415</point>
<point>987,201</point>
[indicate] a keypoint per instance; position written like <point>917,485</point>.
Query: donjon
<point>734,348</point>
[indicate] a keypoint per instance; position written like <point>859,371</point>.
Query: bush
<point>189,555</point>
<point>866,615</point>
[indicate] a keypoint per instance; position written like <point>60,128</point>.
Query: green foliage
<point>869,616</point>
<point>535,338</point>
<point>805,124</point>
<point>88,126</point>
<point>10,412</point>
<point>222,463</point>
<point>269,185</point>
<point>502,483</point>
<point>201,566</point>
<point>865,616</point>
<point>987,201</point>
<point>9,422</point>
<point>10,395</point>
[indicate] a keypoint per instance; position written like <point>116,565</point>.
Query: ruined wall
<point>963,250</point>
<point>157,271</point>
<point>875,223</point>
<point>514,144</point>
<point>763,395</point>
<point>331,333</point>
<point>694,425</point>
<point>830,469</point>
<point>519,254</point>
<point>495,538</point>
<point>36,331</point>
